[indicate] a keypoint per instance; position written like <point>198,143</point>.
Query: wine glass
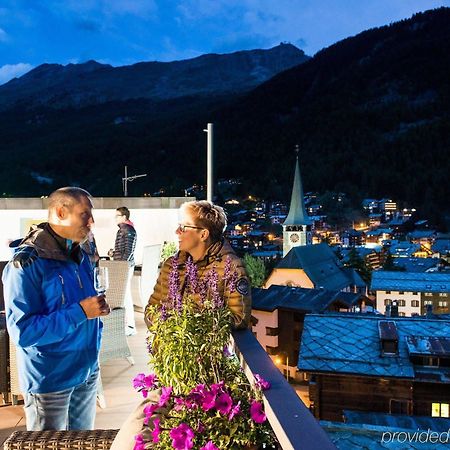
<point>101,279</point>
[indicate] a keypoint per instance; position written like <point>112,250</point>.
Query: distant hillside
<point>371,114</point>
<point>91,83</point>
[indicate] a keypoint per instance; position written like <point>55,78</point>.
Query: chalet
<point>280,311</point>
<point>371,364</point>
<point>412,291</point>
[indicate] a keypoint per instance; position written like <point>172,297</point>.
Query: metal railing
<point>294,426</point>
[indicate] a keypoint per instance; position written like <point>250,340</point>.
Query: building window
<point>428,294</point>
<point>415,303</point>
<point>415,293</point>
<point>430,361</point>
<point>270,331</point>
<point>443,304</point>
<point>401,314</point>
<point>388,292</point>
<point>401,302</point>
<point>399,406</point>
<point>271,350</point>
<point>440,410</point>
<point>443,294</point>
<point>428,302</point>
<point>387,302</point>
<point>401,293</point>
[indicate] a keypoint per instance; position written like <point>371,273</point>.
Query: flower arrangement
<point>205,401</point>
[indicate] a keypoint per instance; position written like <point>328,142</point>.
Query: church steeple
<point>297,226</point>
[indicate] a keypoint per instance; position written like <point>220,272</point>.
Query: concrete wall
<point>155,219</point>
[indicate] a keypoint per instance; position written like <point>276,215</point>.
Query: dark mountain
<point>80,85</point>
<point>371,114</point>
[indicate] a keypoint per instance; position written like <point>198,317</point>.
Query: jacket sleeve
<point>28,324</point>
<point>240,300</point>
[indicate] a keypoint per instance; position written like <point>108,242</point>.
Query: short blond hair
<point>207,215</point>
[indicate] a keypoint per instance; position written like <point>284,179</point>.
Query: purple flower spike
<point>257,413</point>
<point>191,276</point>
<point>210,446</point>
<point>174,281</point>
<point>182,437</point>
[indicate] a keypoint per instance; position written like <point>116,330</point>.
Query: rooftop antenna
<point>127,179</point>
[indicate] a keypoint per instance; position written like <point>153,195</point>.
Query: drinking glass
<point>101,279</point>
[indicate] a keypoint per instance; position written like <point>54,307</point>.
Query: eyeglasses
<point>183,227</point>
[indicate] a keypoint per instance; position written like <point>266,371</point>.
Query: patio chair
<point>114,340</point>
<point>61,440</point>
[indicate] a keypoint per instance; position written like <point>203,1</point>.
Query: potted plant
<point>205,401</point>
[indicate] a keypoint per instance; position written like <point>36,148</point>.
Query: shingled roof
<point>349,343</point>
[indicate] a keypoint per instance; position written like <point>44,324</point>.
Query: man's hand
<point>95,306</point>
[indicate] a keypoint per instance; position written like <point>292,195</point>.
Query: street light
<point>278,360</point>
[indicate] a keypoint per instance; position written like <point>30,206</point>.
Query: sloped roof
<point>383,280</point>
<point>299,299</point>
<point>350,343</point>
<point>415,264</point>
<point>320,264</point>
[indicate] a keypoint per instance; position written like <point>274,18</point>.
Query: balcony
<point>293,424</point>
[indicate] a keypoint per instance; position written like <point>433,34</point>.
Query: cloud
<point>3,35</point>
<point>9,71</point>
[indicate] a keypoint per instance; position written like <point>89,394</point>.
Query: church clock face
<point>294,237</point>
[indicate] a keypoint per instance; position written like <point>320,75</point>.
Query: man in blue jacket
<point>53,315</point>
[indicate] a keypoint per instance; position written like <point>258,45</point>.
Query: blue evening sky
<point>121,32</point>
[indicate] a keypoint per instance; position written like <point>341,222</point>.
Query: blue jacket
<point>57,346</point>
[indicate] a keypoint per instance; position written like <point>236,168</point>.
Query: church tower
<point>297,226</point>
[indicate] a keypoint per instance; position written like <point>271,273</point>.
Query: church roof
<point>297,213</point>
<point>321,265</point>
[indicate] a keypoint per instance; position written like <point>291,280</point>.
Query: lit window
<point>440,410</point>
<point>443,294</point>
<point>428,302</point>
<point>443,304</point>
<point>401,314</point>
<point>428,294</point>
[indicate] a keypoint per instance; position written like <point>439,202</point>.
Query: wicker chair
<point>114,340</point>
<point>4,359</point>
<point>61,440</point>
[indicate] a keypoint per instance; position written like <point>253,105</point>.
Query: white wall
<point>153,225</point>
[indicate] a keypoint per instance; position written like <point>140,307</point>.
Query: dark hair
<point>68,197</point>
<point>124,211</point>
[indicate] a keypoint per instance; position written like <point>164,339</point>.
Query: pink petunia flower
<point>210,446</point>
<point>156,431</point>
<point>182,437</point>
<point>209,401</point>
<point>166,393</point>
<point>139,444</point>
<point>149,410</point>
<point>235,410</point>
<point>257,413</point>
<point>261,383</point>
<point>224,403</point>
<point>218,387</point>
